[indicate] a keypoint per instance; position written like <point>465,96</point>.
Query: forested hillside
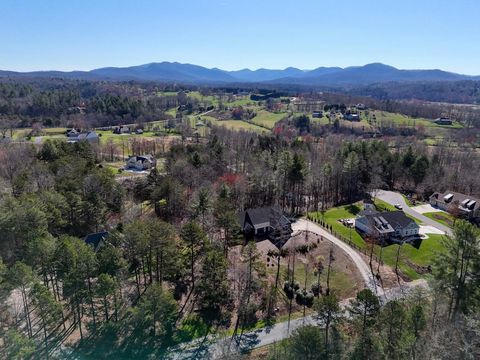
<point>175,268</point>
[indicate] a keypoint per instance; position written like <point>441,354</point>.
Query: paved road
<point>362,266</point>
<point>395,198</point>
<point>215,348</point>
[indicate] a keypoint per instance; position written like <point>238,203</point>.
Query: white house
<point>141,162</point>
<point>90,136</point>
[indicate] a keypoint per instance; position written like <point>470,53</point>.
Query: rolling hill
<point>195,74</point>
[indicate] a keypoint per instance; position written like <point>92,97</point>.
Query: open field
<point>105,135</point>
<point>167,93</point>
<point>243,100</point>
<point>238,125</point>
<point>172,112</point>
<point>267,119</point>
<point>22,133</point>
<point>322,121</point>
<point>404,120</point>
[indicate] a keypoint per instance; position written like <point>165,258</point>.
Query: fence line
<point>330,230</point>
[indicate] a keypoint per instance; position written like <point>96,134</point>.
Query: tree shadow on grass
<point>353,209</point>
<point>113,341</point>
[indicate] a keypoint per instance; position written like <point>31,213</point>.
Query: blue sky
<point>86,34</point>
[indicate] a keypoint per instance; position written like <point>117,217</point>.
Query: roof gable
<point>96,239</point>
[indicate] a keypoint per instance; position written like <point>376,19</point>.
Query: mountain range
<point>195,74</point>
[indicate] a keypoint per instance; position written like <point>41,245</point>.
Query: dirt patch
<point>388,277</point>
<point>345,279</point>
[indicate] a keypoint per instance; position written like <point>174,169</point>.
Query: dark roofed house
<point>266,222</point>
<point>351,117</point>
<point>96,240</point>
<point>72,133</point>
<point>443,121</point>
<point>451,201</point>
<point>388,226</point>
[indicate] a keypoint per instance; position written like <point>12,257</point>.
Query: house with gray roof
<point>141,162</point>
<point>465,205</point>
<point>90,136</point>
<point>388,226</point>
<point>266,223</point>
<point>96,240</point>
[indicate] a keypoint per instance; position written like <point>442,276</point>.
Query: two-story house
<point>388,226</point>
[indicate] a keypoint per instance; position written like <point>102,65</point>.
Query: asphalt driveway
<point>395,198</point>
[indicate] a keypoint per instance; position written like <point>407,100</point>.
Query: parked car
<point>398,206</point>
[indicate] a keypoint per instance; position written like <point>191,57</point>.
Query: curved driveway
<point>362,266</point>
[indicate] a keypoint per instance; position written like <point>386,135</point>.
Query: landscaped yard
<point>441,217</point>
<point>331,217</point>
<point>409,255</point>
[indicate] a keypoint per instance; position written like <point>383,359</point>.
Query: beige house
<point>466,205</point>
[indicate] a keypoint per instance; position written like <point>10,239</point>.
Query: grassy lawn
<point>407,200</point>
<point>441,217</point>
<point>267,119</point>
<point>172,112</point>
<point>340,282</point>
<point>408,255</point>
<point>240,101</point>
<point>22,133</point>
<point>167,93</point>
<point>237,125</point>
<point>322,121</point>
<point>404,120</point>
<point>331,217</point>
<point>210,98</point>
<point>106,135</point>
<point>384,206</point>
<point>422,256</point>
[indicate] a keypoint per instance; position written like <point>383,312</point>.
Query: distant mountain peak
<point>189,73</point>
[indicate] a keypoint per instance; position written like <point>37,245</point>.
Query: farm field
<point>399,119</point>
<point>267,119</point>
<point>239,125</point>
<point>104,135</point>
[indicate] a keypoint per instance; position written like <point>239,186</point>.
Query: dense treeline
<point>459,92</point>
<point>87,104</point>
<point>59,190</point>
<point>57,102</point>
